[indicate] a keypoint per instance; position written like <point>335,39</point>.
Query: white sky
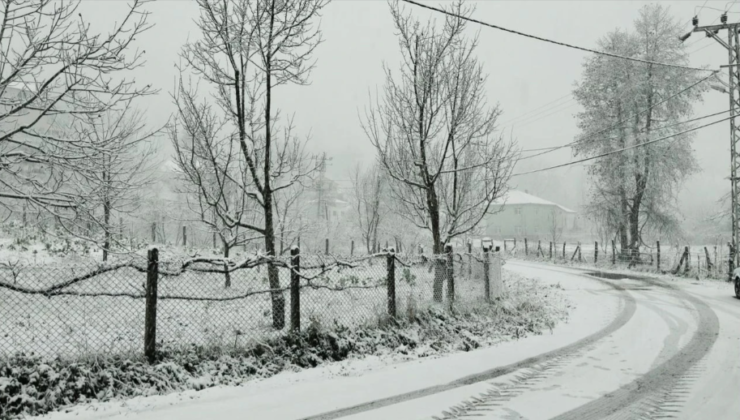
<point>524,75</point>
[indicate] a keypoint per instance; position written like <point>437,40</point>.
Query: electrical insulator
<point>723,19</point>
<point>695,20</point>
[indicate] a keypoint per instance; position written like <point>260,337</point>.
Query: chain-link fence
<point>91,309</point>
<point>703,261</point>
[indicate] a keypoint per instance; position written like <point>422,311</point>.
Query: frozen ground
<point>644,349</point>
<point>295,395</point>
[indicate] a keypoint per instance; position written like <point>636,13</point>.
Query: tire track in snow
<point>493,399</point>
<point>629,306</point>
<point>665,403</point>
<point>669,376</point>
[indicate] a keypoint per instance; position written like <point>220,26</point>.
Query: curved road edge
<point>629,307</point>
<point>663,377</point>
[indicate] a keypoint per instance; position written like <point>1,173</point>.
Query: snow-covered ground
<point>631,372</point>
<point>294,395</point>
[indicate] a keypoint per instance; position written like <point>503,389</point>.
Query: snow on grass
<point>72,326</point>
<point>34,385</point>
<point>670,256</point>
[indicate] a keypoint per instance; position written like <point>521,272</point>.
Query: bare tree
<point>54,72</point>
<point>213,176</point>
<point>556,225</point>
<point>289,206</point>
<point>247,49</point>
<point>367,188</point>
<point>126,165</point>
<point>434,131</point>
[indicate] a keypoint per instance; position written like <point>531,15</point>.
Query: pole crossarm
<point>714,28</point>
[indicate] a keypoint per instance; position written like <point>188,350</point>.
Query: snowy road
<point>633,348</point>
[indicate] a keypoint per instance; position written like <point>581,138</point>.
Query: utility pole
<point>733,88</point>
<point>320,184</point>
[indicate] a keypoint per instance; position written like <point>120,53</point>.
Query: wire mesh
<point>89,308</point>
<point>703,261</point>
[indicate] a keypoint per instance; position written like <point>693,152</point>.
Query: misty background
<point>531,80</point>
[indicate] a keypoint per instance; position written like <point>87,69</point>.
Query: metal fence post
<point>295,289</point>
<point>391,282</point>
<point>486,272</point>
<point>450,274</point>
<point>326,247</point>
<point>563,250</point>
<point>657,262</point>
<point>184,236</point>
<point>550,250</point>
<point>596,252</point>
<point>352,249</point>
<point>150,318</point>
<point>526,247</point>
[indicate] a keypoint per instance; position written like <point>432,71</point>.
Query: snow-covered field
<point>294,395</point>
<point>73,326</point>
<point>670,255</point>
<point>610,375</point>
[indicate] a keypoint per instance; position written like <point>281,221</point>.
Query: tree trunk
<point>227,275</point>
<point>634,219</point>
<point>273,275</point>
<point>623,205</point>
<point>106,222</point>
<point>641,177</point>
<point>439,264</point>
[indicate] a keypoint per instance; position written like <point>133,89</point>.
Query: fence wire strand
<point>84,309</point>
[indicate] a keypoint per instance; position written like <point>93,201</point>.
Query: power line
<point>538,149</point>
<point>702,7</point>
<point>701,48</point>
<point>547,113</point>
<point>618,123</point>
<point>624,149</point>
<point>563,44</point>
<point>536,109</point>
<point>662,127</point>
<point>719,10</point>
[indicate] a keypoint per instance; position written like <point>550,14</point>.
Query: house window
<point>517,210</point>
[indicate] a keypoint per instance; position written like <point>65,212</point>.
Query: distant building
<point>521,215</point>
<point>330,209</point>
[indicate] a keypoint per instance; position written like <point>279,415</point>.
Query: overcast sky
<point>531,80</point>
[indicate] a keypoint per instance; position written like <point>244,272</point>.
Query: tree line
<point>441,163</point>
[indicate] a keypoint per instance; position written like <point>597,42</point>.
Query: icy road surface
<point>633,349</point>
